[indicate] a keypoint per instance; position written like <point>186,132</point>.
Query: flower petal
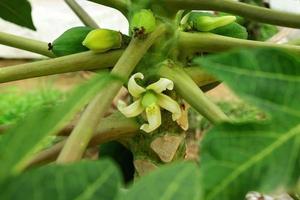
<point>161,85</point>
<point>169,104</point>
<point>183,121</point>
<point>132,110</point>
<point>134,89</point>
<point>153,117</point>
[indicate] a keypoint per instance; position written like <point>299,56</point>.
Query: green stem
<point>190,91</point>
<point>83,132</point>
<point>209,42</point>
<point>80,62</point>
<point>121,5</point>
<point>25,44</point>
<point>71,63</point>
<point>114,127</point>
<point>80,12</point>
<point>246,10</point>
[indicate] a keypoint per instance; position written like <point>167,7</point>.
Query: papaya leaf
<point>17,12</point>
<point>267,78</point>
<point>80,181</point>
<point>19,144</point>
<point>238,158</point>
<point>177,181</point>
<point>261,156</point>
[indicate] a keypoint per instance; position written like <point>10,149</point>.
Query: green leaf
<point>238,158</point>
<point>268,78</point>
<point>79,181</point>
<point>265,156</point>
<point>19,144</point>
<point>17,11</point>
<point>178,181</point>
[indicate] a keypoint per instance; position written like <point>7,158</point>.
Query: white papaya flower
<point>150,100</point>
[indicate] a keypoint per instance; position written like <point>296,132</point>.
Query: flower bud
<point>142,23</point>
<point>206,22</point>
<point>102,40</point>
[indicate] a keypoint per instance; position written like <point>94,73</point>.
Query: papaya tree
<point>176,50</point>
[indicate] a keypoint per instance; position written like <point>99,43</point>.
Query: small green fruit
<point>142,23</point>
<point>70,41</point>
<point>234,30</point>
<point>205,22</point>
<point>148,99</point>
<point>102,40</point>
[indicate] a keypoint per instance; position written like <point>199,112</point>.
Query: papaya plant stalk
<point>210,42</point>
<point>120,5</point>
<point>113,127</point>
<point>80,12</point>
<point>25,44</point>
<point>70,63</point>
<point>86,61</point>
<point>190,91</point>
<point>87,125</point>
<point>242,9</point>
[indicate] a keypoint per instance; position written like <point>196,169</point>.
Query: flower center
<point>148,99</point>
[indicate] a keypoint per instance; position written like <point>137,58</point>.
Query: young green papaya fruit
<point>205,22</point>
<point>70,41</point>
<point>234,30</point>
<point>142,23</point>
<point>102,40</point>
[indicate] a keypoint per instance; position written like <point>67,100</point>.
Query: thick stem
<point>190,91</point>
<point>121,5</point>
<point>71,63</point>
<point>80,12</point>
<point>208,42</point>
<point>246,10</point>
<point>113,127</point>
<point>25,44</point>
<point>79,62</point>
<point>83,132</point>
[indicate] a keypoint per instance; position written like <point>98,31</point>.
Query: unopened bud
<point>102,40</point>
<point>142,23</point>
<point>204,22</point>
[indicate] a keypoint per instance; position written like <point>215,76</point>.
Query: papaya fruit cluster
<point>80,39</point>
